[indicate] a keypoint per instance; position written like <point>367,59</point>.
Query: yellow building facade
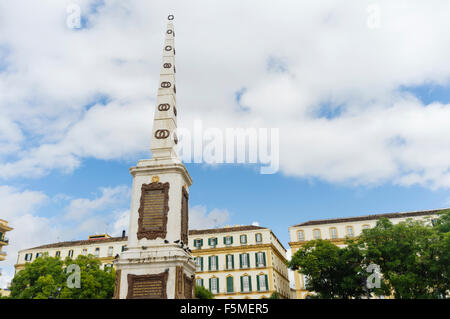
<point>240,262</point>
<point>338,230</point>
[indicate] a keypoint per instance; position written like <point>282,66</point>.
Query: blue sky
<point>362,110</point>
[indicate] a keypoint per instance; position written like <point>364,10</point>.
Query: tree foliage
<point>333,272</point>
<point>203,293</point>
<point>46,277</point>
<point>413,257</point>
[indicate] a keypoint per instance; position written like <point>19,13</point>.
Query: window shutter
<point>267,283</point>
<point>264,258</point>
<point>201,280</point>
<point>217,285</point>
<point>257,283</point>
<point>209,262</point>
<point>232,261</point>
<point>224,240</point>
<point>201,242</point>
<point>217,263</point>
<point>256,259</point>
<point>229,284</point>
<point>250,283</point>
<point>242,284</point>
<point>195,242</point>
<point>209,241</point>
<point>248,260</point>
<point>210,286</point>
<point>240,261</point>
<point>201,264</point>
<point>231,239</point>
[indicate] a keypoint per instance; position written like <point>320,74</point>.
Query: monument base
<point>155,272</point>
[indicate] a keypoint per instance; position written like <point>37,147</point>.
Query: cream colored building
<point>104,247</point>
<point>338,230</point>
<point>240,262</point>
<point>3,240</point>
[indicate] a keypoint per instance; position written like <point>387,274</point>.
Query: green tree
<point>203,293</point>
<point>413,257</point>
<point>46,277</point>
<point>333,272</point>
<point>275,295</point>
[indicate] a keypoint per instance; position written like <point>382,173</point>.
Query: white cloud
<point>109,198</point>
<point>199,218</point>
<point>291,58</point>
<point>255,223</point>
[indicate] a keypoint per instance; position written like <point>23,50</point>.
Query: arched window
<point>301,235</point>
<point>333,233</point>
<point>316,233</point>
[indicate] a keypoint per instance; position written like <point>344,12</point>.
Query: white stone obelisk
<point>156,262</point>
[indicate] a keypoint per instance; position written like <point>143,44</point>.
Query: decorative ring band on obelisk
<point>170,17</point>
<point>162,134</point>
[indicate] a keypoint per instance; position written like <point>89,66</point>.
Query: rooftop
<point>228,229</point>
<point>372,217</point>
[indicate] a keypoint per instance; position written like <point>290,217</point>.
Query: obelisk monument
<point>156,262</point>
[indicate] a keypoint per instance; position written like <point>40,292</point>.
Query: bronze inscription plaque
<point>153,210</point>
<point>147,286</point>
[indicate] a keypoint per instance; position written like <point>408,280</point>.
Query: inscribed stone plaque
<point>179,282</point>
<point>153,210</point>
<point>117,284</point>
<point>147,286</point>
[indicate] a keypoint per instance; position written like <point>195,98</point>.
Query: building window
<point>316,233</point>
<point>71,253</point>
<point>58,254</point>
<point>97,252</point>
<point>228,241</point>
<point>262,282</point>
<point>124,247</point>
<point>84,253</point>
<point>230,261</point>
<point>214,285</point>
<point>349,231</point>
<point>246,284</point>
<point>258,238</point>
<point>243,239</point>
<point>28,257</point>
<point>213,262</point>
<point>230,284</point>
<point>301,235</point>
<point>38,255</point>
<point>198,243</point>
<point>333,233</point>
<point>199,263</point>
<point>244,259</point>
<point>199,282</point>
<point>212,242</point>
<point>110,251</point>
<point>260,259</point>
<point>365,227</point>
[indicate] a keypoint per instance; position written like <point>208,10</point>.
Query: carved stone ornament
<point>166,85</point>
<point>148,286</point>
<point>184,214</point>
<point>153,211</point>
<point>167,65</point>
<point>162,134</point>
<point>117,284</point>
<point>168,48</point>
<point>164,107</point>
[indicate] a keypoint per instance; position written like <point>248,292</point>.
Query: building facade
<point>240,262</point>
<point>3,240</point>
<point>233,262</point>
<point>102,246</point>
<point>338,230</point>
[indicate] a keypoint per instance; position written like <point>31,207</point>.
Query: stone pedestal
<point>156,263</point>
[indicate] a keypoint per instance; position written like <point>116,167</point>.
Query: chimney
<point>123,233</point>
